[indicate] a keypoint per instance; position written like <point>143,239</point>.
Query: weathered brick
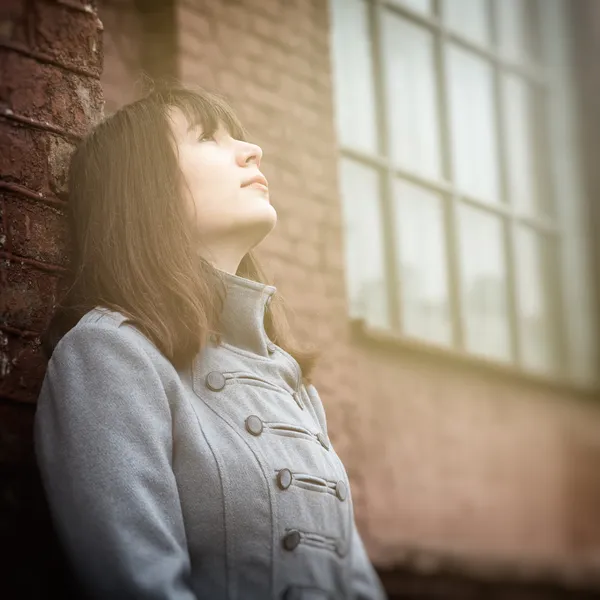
<point>14,19</point>
<point>50,95</point>
<point>36,231</point>
<point>27,295</point>
<point>332,253</point>
<point>194,25</point>
<point>24,156</point>
<point>122,42</point>
<point>22,368</point>
<point>68,35</point>
<point>201,74</point>
<point>3,228</point>
<point>59,155</point>
<point>307,254</point>
<point>26,86</point>
<point>274,10</point>
<point>262,26</point>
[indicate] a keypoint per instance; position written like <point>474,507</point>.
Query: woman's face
<point>231,218</point>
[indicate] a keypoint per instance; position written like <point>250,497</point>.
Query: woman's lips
<point>258,186</point>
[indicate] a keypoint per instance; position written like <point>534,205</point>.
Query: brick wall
<point>123,50</point>
<point>50,60</point>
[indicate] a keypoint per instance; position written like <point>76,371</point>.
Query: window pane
<point>581,308</point>
<point>469,17</point>
<point>473,126</point>
<point>516,31</point>
<point>420,5</point>
<point>364,243</point>
<point>535,296</point>
<point>483,283</point>
<point>422,263</point>
<point>353,75</point>
<point>523,151</point>
<point>580,294</point>
<point>411,95</point>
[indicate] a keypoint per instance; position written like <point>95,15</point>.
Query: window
<point>464,218</point>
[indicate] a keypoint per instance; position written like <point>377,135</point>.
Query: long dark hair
<point>132,244</point>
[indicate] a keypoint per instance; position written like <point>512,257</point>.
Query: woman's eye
<point>204,137</point>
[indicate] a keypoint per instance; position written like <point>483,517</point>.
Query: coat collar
<point>242,319</point>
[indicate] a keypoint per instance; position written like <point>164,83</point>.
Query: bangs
<point>205,109</point>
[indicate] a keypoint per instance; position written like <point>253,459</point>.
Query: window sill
<point>379,338</point>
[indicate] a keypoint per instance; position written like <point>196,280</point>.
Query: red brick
<point>200,74</point>
<point>333,254</point>
<point>52,96</point>
<point>238,42</point>
<point>307,254</point>
<point>27,85</point>
<point>122,45</point>
<point>59,156</point>
<point>36,231</point>
<point>228,83</point>
<point>14,21</point>
<point>261,96</point>
<point>24,156</point>
<point>262,26</point>
<point>69,36</point>
<point>235,19</point>
<point>3,229</point>
<point>27,295</point>
<point>194,25</point>
<point>274,9</point>
<point>22,368</point>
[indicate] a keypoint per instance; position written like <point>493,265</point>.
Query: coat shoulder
<point>107,319</point>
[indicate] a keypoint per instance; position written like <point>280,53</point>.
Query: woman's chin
<point>262,219</point>
<point>267,213</point>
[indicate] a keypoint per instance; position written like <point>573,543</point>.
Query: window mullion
<point>554,241</point>
<point>508,218</point>
<point>390,234</point>
<point>451,199</point>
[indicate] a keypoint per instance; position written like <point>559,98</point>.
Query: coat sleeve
<point>103,445</point>
<point>366,584</point>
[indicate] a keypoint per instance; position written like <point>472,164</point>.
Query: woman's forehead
<point>186,121</point>
<point>181,123</point>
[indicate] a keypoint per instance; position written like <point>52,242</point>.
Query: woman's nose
<point>252,153</point>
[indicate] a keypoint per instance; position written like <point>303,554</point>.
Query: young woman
<point>182,447</point>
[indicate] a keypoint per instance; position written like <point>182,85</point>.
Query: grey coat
<point>215,483</point>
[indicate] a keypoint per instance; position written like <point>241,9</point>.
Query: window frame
<point>544,80</point>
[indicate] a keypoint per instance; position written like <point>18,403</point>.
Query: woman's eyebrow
<point>194,125</point>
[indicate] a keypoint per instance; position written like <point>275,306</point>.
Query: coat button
<point>254,425</point>
<point>284,479</point>
<point>341,548</point>
<point>271,347</point>
<point>341,491</point>
<point>323,440</point>
<point>215,381</point>
<point>291,539</point>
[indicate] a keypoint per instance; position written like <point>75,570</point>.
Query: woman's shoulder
<point>104,325</point>
<point>101,318</point>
